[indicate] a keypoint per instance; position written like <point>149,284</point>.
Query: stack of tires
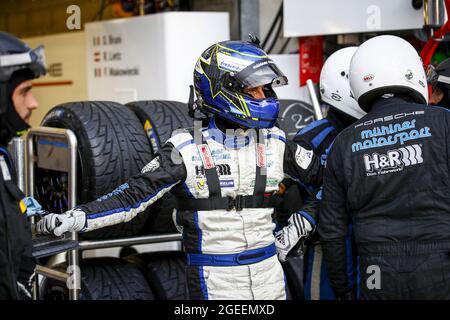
<point>114,143</point>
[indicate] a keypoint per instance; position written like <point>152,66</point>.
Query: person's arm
<point>333,223</point>
<point>121,205</point>
<point>301,224</point>
<point>310,207</point>
<point>302,165</point>
<point>27,266</point>
<point>26,263</point>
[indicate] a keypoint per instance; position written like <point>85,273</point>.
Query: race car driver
<point>18,65</point>
<point>439,78</point>
<point>343,110</point>
<point>224,176</point>
<point>388,174</point>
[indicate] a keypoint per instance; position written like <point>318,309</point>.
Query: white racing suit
<point>224,206</point>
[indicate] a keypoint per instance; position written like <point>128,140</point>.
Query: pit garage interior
<point>117,88</point>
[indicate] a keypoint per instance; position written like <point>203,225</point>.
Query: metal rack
<point>68,139</point>
<point>31,160</point>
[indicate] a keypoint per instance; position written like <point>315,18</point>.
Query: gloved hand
<point>286,239</point>
<point>70,221</point>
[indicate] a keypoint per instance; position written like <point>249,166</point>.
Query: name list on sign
<point>108,57</point>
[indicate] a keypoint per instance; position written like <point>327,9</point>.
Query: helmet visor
<point>261,73</point>
<point>38,64</point>
<point>33,60</point>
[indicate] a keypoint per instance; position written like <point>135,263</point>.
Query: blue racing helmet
<point>222,73</point>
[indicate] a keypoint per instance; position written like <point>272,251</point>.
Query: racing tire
<point>166,275</point>
<point>111,149</point>
<point>103,279</point>
<point>294,115</point>
<point>160,119</point>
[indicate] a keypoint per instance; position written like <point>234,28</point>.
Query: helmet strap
<point>4,97</point>
<point>193,105</point>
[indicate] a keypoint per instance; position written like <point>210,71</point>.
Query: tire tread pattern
<point>114,279</point>
<point>102,279</point>
<point>112,149</point>
<point>166,274</point>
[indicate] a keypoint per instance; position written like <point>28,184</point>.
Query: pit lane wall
<point>66,77</point>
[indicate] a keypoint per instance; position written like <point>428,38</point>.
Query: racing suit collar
<point>339,120</point>
<point>229,141</point>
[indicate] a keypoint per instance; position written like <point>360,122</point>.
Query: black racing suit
<point>389,175</point>
<point>16,262</point>
<point>319,136</point>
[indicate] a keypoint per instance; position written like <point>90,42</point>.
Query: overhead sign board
<point>325,17</point>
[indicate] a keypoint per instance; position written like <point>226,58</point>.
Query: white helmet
<point>387,64</point>
<point>334,84</point>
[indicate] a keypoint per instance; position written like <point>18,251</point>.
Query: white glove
<point>70,221</point>
<point>288,237</point>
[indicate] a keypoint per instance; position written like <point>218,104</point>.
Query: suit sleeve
<point>302,165</point>
<point>333,222</point>
<point>27,262</point>
<point>157,178</point>
<point>310,208</point>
